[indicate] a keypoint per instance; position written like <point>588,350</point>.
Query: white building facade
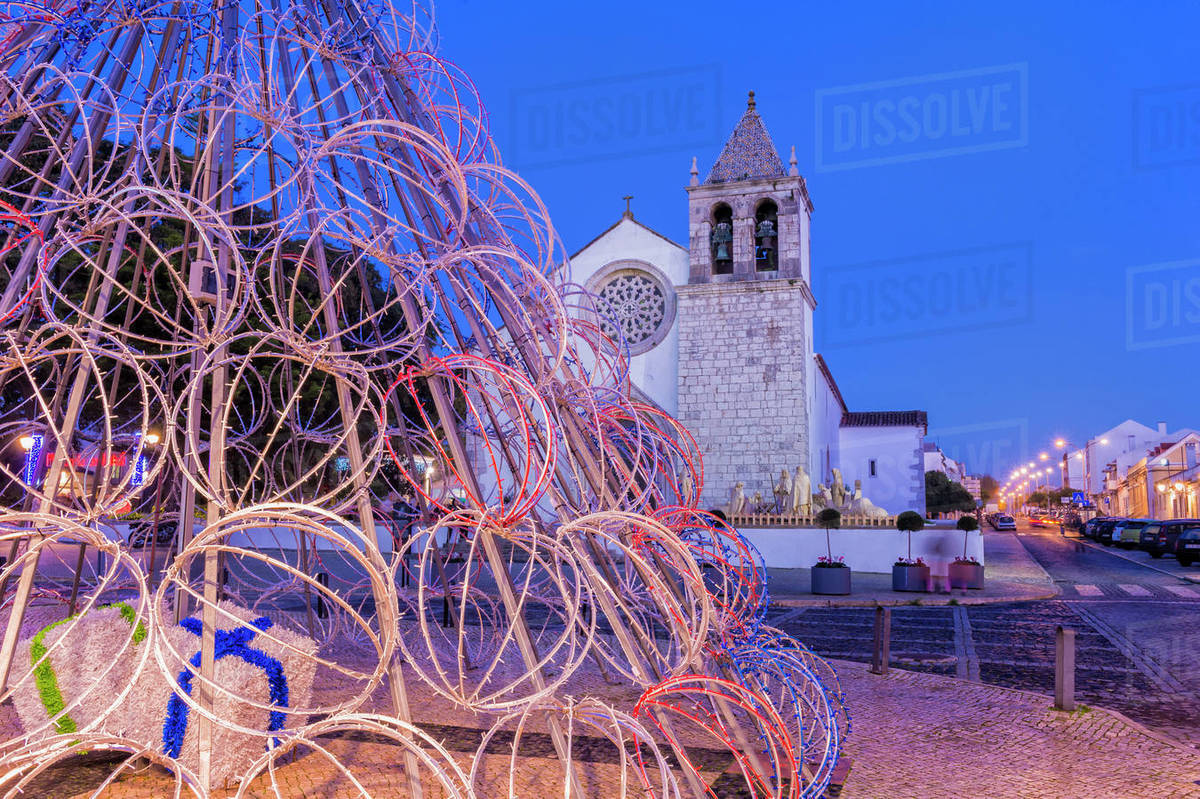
<point>720,335</point>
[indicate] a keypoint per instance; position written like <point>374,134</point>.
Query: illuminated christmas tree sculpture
<point>297,402</point>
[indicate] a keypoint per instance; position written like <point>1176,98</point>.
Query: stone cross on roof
<point>749,152</point>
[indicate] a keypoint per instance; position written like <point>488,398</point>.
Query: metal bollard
<point>1064,668</point>
<point>322,608</point>
<point>883,641</point>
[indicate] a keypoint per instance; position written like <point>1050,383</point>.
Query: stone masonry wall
<point>742,366</point>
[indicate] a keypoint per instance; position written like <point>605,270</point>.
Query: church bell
<point>722,235</point>
<point>766,235</point>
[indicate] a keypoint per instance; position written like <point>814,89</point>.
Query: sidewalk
<point>1010,575</point>
<point>926,737</point>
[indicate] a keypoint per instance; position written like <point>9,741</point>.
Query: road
<point>1137,634</point>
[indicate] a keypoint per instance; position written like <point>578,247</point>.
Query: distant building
<point>1085,468</point>
<point>974,487</point>
<point>938,461</point>
<point>1163,484</point>
<point>1147,473</point>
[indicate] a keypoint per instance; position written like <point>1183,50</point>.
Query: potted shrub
<point>965,571</point>
<point>830,575</point>
<point>909,574</point>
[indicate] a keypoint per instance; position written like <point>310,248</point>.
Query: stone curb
<point>924,599</point>
<point>1161,737</point>
<point>1120,554</point>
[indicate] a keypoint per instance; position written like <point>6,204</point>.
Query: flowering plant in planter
<point>909,574</point>
<point>830,575</point>
<point>966,560</point>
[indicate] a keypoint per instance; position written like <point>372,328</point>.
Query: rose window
<point>634,301</point>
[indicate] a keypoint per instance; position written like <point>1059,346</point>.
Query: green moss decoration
<point>43,671</point>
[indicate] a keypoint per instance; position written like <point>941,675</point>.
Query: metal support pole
<point>75,580</point>
<point>1064,668</point>
<point>883,641</point>
<point>322,608</point>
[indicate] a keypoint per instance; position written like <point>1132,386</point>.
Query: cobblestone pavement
<point>916,735</point>
<point>922,736</point>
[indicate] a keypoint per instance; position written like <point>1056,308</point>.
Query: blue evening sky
<point>980,250</point>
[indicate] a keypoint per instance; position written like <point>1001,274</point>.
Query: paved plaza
<point>915,735</point>
<point>965,704</point>
<point>923,736</point>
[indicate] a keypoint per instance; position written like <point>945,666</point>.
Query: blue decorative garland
<point>228,642</point>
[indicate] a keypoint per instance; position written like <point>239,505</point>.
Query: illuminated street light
<point>1060,442</point>
<point>151,438</point>
<point>26,443</point>
<point>1043,456</point>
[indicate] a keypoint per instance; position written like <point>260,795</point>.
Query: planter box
<point>834,580</point>
<point>966,575</point>
<point>910,578</point>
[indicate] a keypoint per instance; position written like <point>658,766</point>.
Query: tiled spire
<point>748,153</point>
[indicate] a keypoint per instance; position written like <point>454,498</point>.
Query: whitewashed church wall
<point>899,481</point>
<point>654,372</point>
<point>742,382</point>
<point>826,423</point>
<point>872,550</point>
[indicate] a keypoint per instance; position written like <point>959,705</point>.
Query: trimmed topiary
<point>909,521</point>
<point>829,517</point>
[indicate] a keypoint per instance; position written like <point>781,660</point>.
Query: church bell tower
<point>746,366</point>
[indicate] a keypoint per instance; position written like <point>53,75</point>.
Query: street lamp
<point>151,438</point>
<point>26,443</point>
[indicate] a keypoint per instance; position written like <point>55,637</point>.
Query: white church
<point>720,332</point>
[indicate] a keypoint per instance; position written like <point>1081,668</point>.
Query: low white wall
<point>865,550</point>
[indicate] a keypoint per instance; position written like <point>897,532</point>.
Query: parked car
<point>1187,546</point>
<point>1002,522</point>
<point>1104,531</point>
<point>1168,534</point>
<point>1148,538</point>
<point>1128,533</point>
<point>1092,525</point>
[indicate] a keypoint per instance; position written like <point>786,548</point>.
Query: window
<point>872,467</point>
<point>634,304</point>
<point>721,240</point>
<point>766,237</point>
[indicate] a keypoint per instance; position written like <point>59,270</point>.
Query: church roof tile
<point>748,154</point>
<point>885,419</point>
